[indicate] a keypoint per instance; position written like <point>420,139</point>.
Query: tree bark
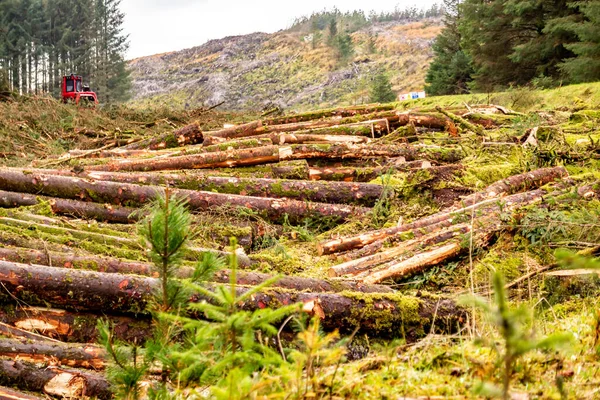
<point>379,313</point>
<point>517,183</point>
<point>68,355</point>
<point>441,219</point>
<point>257,156</point>
<point>416,264</point>
<point>329,113</point>
<point>54,381</point>
<point>379,122</point>
<point>10,394</point>
<point>137,195</point>
<point>218,159</point>
<point>461,121</point>
<point>290,170</point>
<point>190,134</point>
<point>73,327</point>
<point>74,208</point>
<point>295,138</point>
<point>238,131</point>
<point>115,265</point>
<point>431,121</point>
<point>359,265</point>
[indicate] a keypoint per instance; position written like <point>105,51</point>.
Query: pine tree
<point>585,66</point>
<point>450,72</point>
<point>381,89</point>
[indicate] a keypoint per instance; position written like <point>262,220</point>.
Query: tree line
<point>489,45</point>
<point>42,40</point>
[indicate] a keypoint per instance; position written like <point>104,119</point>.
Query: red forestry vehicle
<point>74,90</point>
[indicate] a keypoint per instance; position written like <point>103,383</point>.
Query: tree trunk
<point>237,144</point>
<point>190,134</point>
<point>378,122</point>
<point>290,170</point>
<point>54,381</point>
<point>10,394</point>
<point>238,131</point>
<point>257,156</point>
<point>74,208</point>
<point>431,121</point>
<point>137,195</point>
<point>68,355</point>
<point>442,219</point>
<point>294,138</point>
<point>416,264</point>
<point>378,314</point>
<point>359,265</point>
<point>72,327</point>
<point>517,183</point>
<point>329,113</point>
<point>461,121</point>
<point>115,265</point>
<point>218,159</point>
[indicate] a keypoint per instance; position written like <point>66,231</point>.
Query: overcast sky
<point>158,26</point>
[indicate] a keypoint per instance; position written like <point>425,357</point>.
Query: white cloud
<point>157,26</point>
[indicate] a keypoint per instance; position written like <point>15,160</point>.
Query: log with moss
<point>324,192</point>
<point>439,220</point>
<point>237,131</point>
<point>190,134</point>
<point>295,138</point>
<point>137,195</point>
<point>328,113</point>
<point>378,122</point>
<point>68,355</point>
<point>74,327</point>
<point>74,208</point>
<point>478,129</point>
<point>115,265</point>
<point>431,121</point>
<point>376,313</point>
<point>11,394</point>
<point>54,381</point>
<point>358,265</point>
<point>258,156</point>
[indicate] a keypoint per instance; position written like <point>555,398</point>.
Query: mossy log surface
<point>332,192</point>
<point>74,208</point>
<point>115,265</point>
<point>431,121</point>
<point>439,220</point>
<point>378,122</point>
<point>291,170</point>
<point>74,327</point>
<point>77,355</point>
<point>54,381</point>
<point>238,131</point>
<point>377,313</point>
<point>328,113</point>
<point>136,195</point>
<point>190,134</point>
<point>295,138</point>
<point>10,394</point>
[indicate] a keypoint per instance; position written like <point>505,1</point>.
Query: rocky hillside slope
<point>256,71</point>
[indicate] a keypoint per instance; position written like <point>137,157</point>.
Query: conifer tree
<point>381,89</point>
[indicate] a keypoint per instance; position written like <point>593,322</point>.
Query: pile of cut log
<point>59,274</point>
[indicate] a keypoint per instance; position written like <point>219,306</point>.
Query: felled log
<point>297,169</point>
<point>294,138</point>
<point>517,183</point>
<point>238,131</point>
<point>461,121</point>
<point>218,159</point>
<point>431,121</point>
<point>67,355</point>
<point>115,265</point>
<point>70,260</point>
<point>190,134</point>
<point>328,113</point>
<point>74,327</point>
<point>365,174</point>
<point>415,264</point>
<point>379,314</point>
<point>74,208</point>
<point>54,381</point>
<point>257,156</point>
<point>441,219</point>
<point>379,122</point>
<point>137,195</point>
<point>353,267</point>
<point>209,146</point>
<point>11,394</point>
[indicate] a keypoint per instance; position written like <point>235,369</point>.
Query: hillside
<point>256,71</point>
<point>379,219</point>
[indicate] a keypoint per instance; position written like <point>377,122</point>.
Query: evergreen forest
<point>42,40</point>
